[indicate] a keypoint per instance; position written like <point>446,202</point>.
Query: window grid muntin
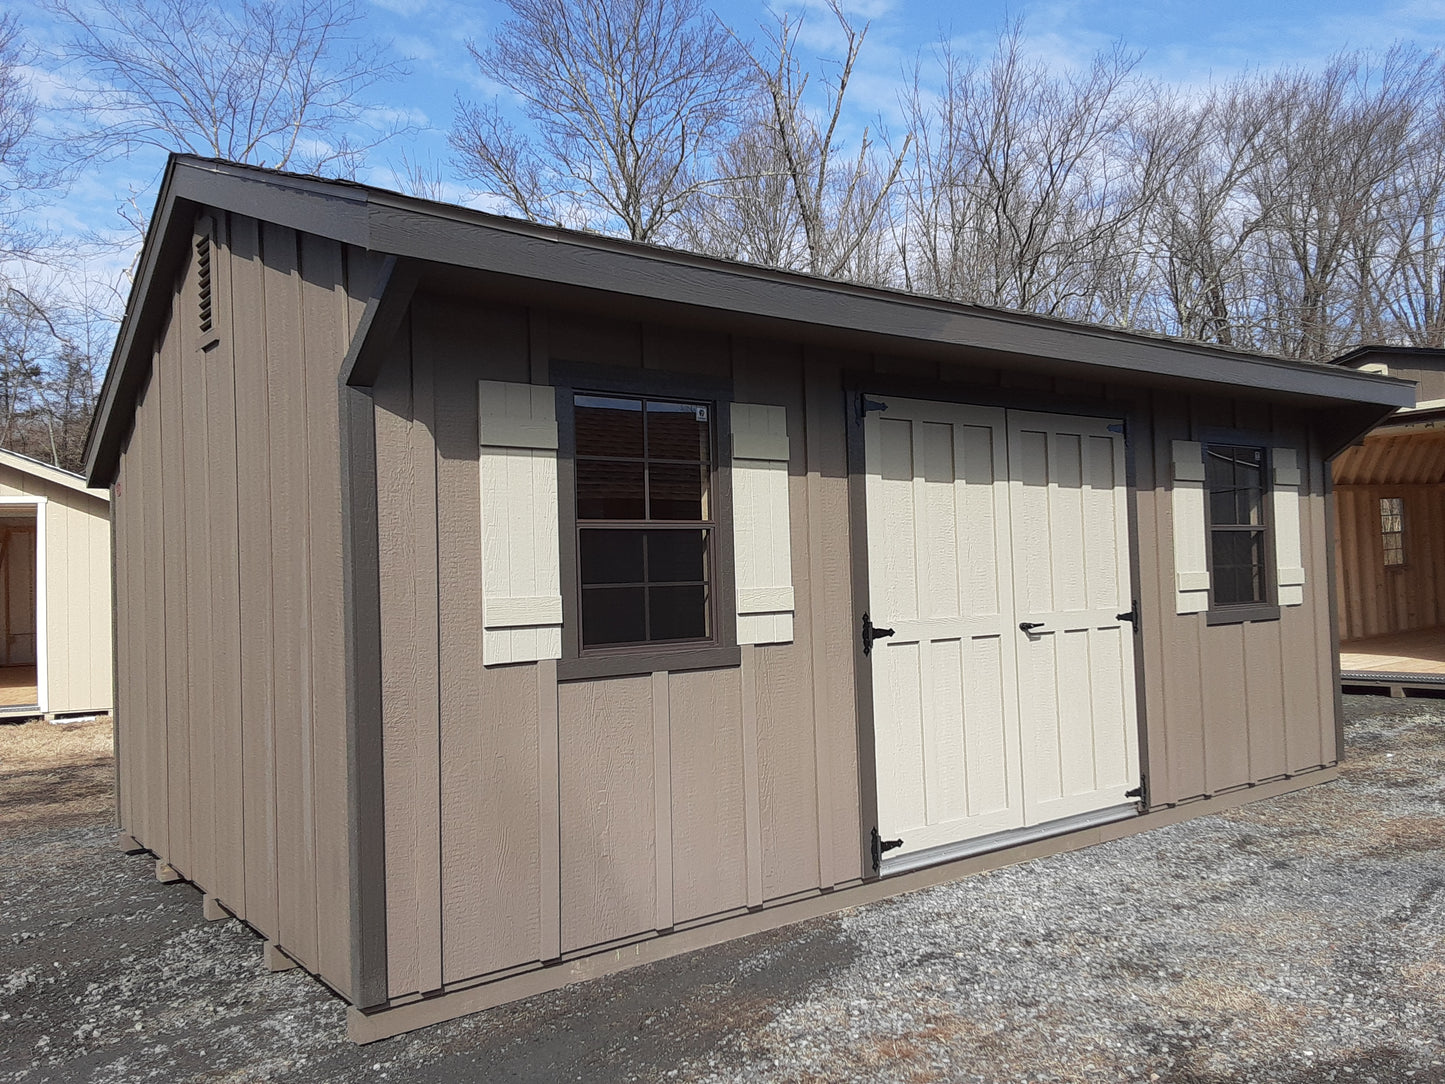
<point>1225,575</point>
<point>1392,531</point>
<point>706,463</point>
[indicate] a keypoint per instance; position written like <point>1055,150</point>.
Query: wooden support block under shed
<point>167,874</point>
<point>128,844</point>
<point>211,909</point>
<point>275,959</point>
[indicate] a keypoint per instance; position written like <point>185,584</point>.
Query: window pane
<point>1248,507</point>
<point>1221,506</point>
<point>613,615</point>
<point>610,556</point>
<point>608,426</point>
<point>676,556</point>
<point>1237,572</point>
<point>609,490</point>
<point>678,613</point>
<point>678,431</point>
<point>678,491</point>
<point>1218,469</point>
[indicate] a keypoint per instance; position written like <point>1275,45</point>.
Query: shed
<point>55,602</point>
<point>503,605</point>
<point>1390,527</point>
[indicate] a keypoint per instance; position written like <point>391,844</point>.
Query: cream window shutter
<point>762,558</point>
<point>521,581</point>
<point>1284,493</point>
<point>1191,565</point>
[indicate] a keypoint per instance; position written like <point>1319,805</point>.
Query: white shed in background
<point>55,594</point>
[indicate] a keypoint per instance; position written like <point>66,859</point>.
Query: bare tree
<point>1201,226</point>
<point>281,83</point>
<point>20,179</point>
<point>626,102</point>
<point>1026,180</point>
<point>839,204</point>
<point>1336,141</point>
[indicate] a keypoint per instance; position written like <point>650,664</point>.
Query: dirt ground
<point>55,776</point>
<point>1295,940</point>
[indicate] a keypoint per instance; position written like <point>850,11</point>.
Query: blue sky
<point>1185,43</point>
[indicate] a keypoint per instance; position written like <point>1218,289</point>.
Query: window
<point>1392,530</point>
<point>646,521</point>
<point>1238,530</point>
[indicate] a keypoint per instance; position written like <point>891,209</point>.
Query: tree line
<point>1295,211</point>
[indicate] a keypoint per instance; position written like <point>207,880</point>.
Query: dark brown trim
<point>867,317</point>
<point>649,661</point>
<point>722,650</point>
<point>367,1027</point>
<point>361,593</point>
<point>1238,615</point>
<point>386,308</point>
<point>1328,491</point>
<point>1137,421</point>
<point>115,711</point>
<point>862,666</point>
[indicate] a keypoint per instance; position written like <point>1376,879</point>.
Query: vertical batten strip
<point>752,793</point>
<point>549,814</point>
<point>662,801</point>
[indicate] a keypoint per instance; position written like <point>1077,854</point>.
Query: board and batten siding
<point>527,819</point>
<point>230,712</point>
<point>77,591</point>
<point>530,820</point>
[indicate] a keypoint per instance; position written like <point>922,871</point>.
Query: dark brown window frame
<point>1240,612</point>
<point>721,650</point>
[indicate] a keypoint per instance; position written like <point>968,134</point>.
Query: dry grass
<point>55,776</point>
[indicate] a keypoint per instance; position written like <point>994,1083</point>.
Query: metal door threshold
<point>1387,677</point>
<point>1014,837</point>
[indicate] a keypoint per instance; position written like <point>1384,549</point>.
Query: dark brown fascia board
<point>328,209</point>
<point>392,224</point>
<point>505,246</point>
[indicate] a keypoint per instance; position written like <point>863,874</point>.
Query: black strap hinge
<point>879,846</point>
<point>1122,428</point>
<point>1141,792</point>
<point>866,405</point>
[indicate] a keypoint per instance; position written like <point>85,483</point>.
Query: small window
<point>645,521</point>
<point>1392,530</point>
<point>1238,531</point>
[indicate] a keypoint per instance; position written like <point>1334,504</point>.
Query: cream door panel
<point>1069,517</point>
<point>945,717</point>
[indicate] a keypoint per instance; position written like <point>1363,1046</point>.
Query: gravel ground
<point>1296,940</point>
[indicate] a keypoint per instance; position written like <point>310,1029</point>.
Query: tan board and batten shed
<point>55,592</point>
<point>502,606</point>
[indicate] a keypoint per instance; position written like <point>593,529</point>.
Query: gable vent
<point>205,312</point>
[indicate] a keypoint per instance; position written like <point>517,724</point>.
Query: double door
<point>998,555</point>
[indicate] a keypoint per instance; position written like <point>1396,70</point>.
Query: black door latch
<point>1029,626</point>
<point>881,845</point>
<point>870,634</point>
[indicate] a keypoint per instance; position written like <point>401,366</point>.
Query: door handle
<point>1029,626</point>
<point>870,634</point>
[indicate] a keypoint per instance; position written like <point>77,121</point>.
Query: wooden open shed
<point>55,598</point>
<point>502,605</point>
<point>1390,528</point>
